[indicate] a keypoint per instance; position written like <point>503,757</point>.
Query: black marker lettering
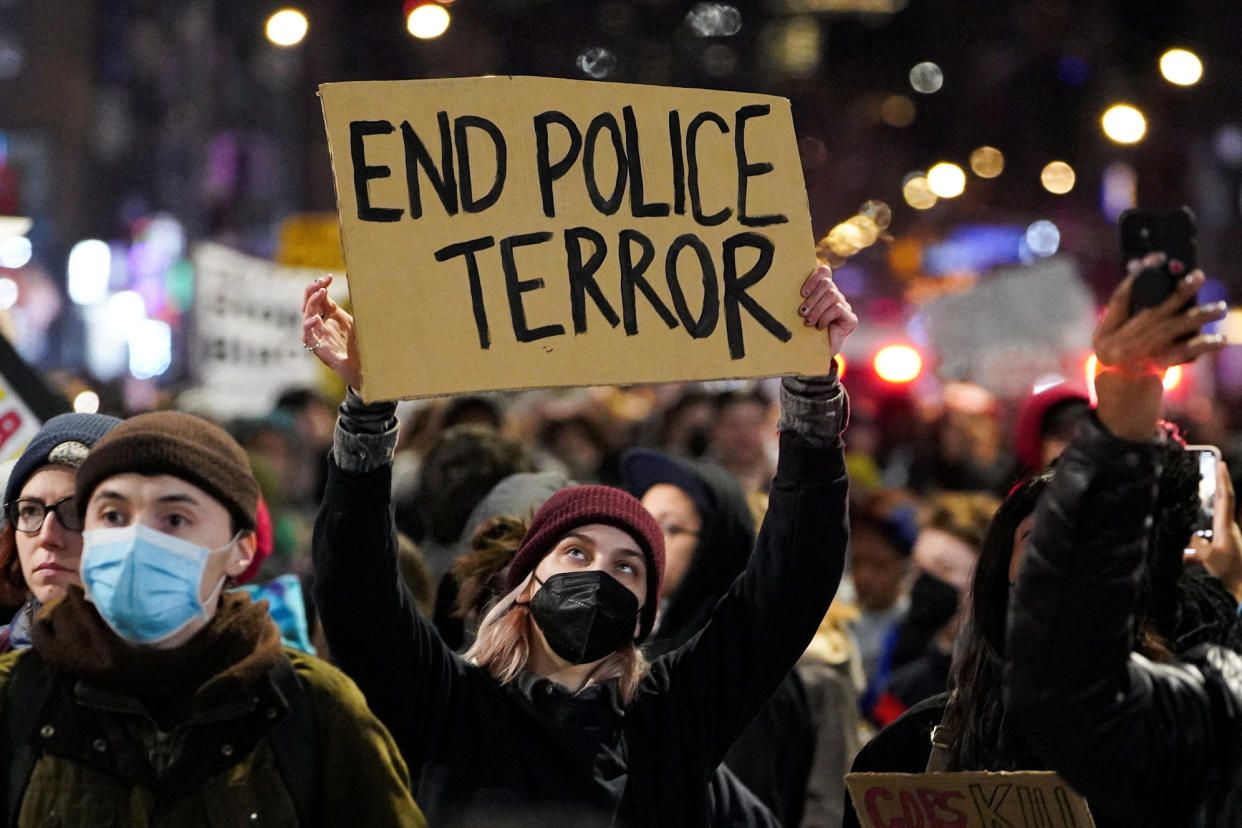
<point>604,121</point>
<point>632,277</point>
<point>735,288</point>
<point>515,287</point>
<point>702,327</point>
<point>416,155</point>
<point>364,172</point>
<point>638,207</point>
<point>746,171</point>
<point>548,172</point>
<point>582,276</point>
<point>468,249</point>
<point>468,202</point>
<point>692,162</point>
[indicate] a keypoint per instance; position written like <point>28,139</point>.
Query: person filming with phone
<point>1147,742</point>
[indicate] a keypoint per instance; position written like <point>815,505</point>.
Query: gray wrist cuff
<point>815,407</point>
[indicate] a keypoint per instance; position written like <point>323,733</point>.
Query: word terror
<point>686,261</point>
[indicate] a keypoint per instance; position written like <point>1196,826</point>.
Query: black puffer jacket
<point>1147,744</point>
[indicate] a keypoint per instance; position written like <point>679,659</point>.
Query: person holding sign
<point>554,716</point>
<point>1146,743</point>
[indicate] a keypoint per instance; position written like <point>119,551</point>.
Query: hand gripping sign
<point>514,232</point>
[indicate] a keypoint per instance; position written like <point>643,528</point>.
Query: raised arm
<point>374,632</point>
<point>714,684</point>
<point>1134,737</point>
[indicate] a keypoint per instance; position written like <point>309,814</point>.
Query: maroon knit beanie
<point>580,505</point>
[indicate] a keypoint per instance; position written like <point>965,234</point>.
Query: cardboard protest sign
<point>510,232</point>
<point>978,799</point>
<point>247,345</point>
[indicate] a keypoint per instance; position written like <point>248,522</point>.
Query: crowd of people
<point>698,604</point>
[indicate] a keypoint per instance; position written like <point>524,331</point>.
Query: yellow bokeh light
<point>430,20</point>
<point>287,27</point>
<point>86,402</point>
<point>1057,177</point>
<point>946,180</point>
<point>868,230</point>
<point>987,162</point>
<point>844,240</point>
<point>897,111</point>
<point>1124,124</point>
<point>1181,67</point>
<point>918,193</point>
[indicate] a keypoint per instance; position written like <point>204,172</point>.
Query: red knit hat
<point>580,505</point>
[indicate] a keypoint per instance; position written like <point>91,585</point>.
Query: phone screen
<point>1208,459</point>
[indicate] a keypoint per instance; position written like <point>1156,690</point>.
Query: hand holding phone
<point>1170,231</point>
<point>1220,549</point>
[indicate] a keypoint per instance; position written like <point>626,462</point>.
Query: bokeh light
<point>1043,238</point>
<point>1124,124</point>
<point>287,27</point>
<point>150,348</point>
<point>946,180</point>
<point>878,212</point>
<point>1181,67</point>
<point>15,252</point>
<point>714,20</point>
<point>844,241</point>
<point>1172,377</point>
<point>597,62</point>
<point>927,78</point>
<point>987,162</point>
<point>90,266</point>
<point>897,363</point>
<point>428,21</point>
<point>897,111</point>
<point>1057,177</point>
<point>839,359</point>
<point>1118,190</point>
<point>1227,142</point>
<point>86,402</point>
<point>8,293</point>
<point>917,192</point>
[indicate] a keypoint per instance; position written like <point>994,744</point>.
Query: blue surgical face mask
<point>144,582</point>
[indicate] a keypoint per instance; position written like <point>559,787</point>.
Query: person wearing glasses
<point>41,542</point>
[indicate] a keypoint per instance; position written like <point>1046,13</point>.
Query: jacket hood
<point>725,540</point>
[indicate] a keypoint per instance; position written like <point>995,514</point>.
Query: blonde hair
<point>504,641</point>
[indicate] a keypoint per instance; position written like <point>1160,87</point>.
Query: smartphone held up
<point>1171,231</point>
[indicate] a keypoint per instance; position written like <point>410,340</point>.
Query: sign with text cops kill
<point>247,346</point>
<point>512,232</point>
<point>975,799</point>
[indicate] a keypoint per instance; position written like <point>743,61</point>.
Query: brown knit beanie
<point>181,445</point>
<point>580,505</point>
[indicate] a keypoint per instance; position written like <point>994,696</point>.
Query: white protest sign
<point>247,345</point>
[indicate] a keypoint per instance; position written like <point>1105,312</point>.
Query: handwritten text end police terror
<point>446,164</point>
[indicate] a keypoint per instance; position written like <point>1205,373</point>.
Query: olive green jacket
<point>102,759</point>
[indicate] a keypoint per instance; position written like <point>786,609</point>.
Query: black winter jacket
<point>533,753</point>
<point>1147,744</point>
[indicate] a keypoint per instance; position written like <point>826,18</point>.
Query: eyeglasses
<point>28,515</point>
